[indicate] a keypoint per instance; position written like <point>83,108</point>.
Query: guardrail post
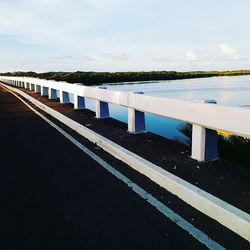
<point>32,86</point>
<point>64,97</point>
<point>204,141</point>
<point>79,102</point>
<point>26,85</point>
<point>136,119</point>
<point>52,94</point>
<point>44,91</point>
<point>37,88</point>
<point>102,108</point>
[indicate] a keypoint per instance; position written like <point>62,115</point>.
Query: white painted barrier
<point>234,120</point>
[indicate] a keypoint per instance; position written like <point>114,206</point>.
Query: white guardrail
<point>206,118</point>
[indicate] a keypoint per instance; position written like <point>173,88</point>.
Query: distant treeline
<point>95,78</point>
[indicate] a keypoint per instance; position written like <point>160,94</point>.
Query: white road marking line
<point>170,214</point>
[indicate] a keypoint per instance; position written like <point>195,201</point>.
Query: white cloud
<point>49,2</point>
<point>229,51</point>
<point>106,35</point>
<point>111,56</point>
<point>60,57</point>
<point>191,56</point>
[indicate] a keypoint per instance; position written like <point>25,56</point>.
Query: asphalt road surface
<point>53,196</point>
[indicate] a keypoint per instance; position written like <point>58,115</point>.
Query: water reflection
<point>229,91</point>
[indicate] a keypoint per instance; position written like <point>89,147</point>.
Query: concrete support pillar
<point>26,85</point>
<point>64,97</point>
<point>37,88</point>
<point>52,94</point>
<point>204,142</point>
<point>79,102</point>
<point>44,91</point>
<point>136,120</point>
<point>102,108</point>
<point>32,87</point>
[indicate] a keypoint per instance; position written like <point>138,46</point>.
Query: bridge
<point>40,97</point>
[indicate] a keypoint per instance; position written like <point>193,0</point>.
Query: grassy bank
<point>95,78</point>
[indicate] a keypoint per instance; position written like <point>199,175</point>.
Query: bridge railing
<point>206,118</point>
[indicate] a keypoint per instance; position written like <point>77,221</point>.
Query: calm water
<point>229,91</point>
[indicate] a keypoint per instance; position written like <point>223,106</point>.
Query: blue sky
<point>124,35</point>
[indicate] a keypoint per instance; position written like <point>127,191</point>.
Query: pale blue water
<point>229,91</point>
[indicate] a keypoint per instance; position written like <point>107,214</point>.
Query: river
<point>228,91</point>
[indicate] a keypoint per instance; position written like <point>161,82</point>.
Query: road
<point>53,196</point>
